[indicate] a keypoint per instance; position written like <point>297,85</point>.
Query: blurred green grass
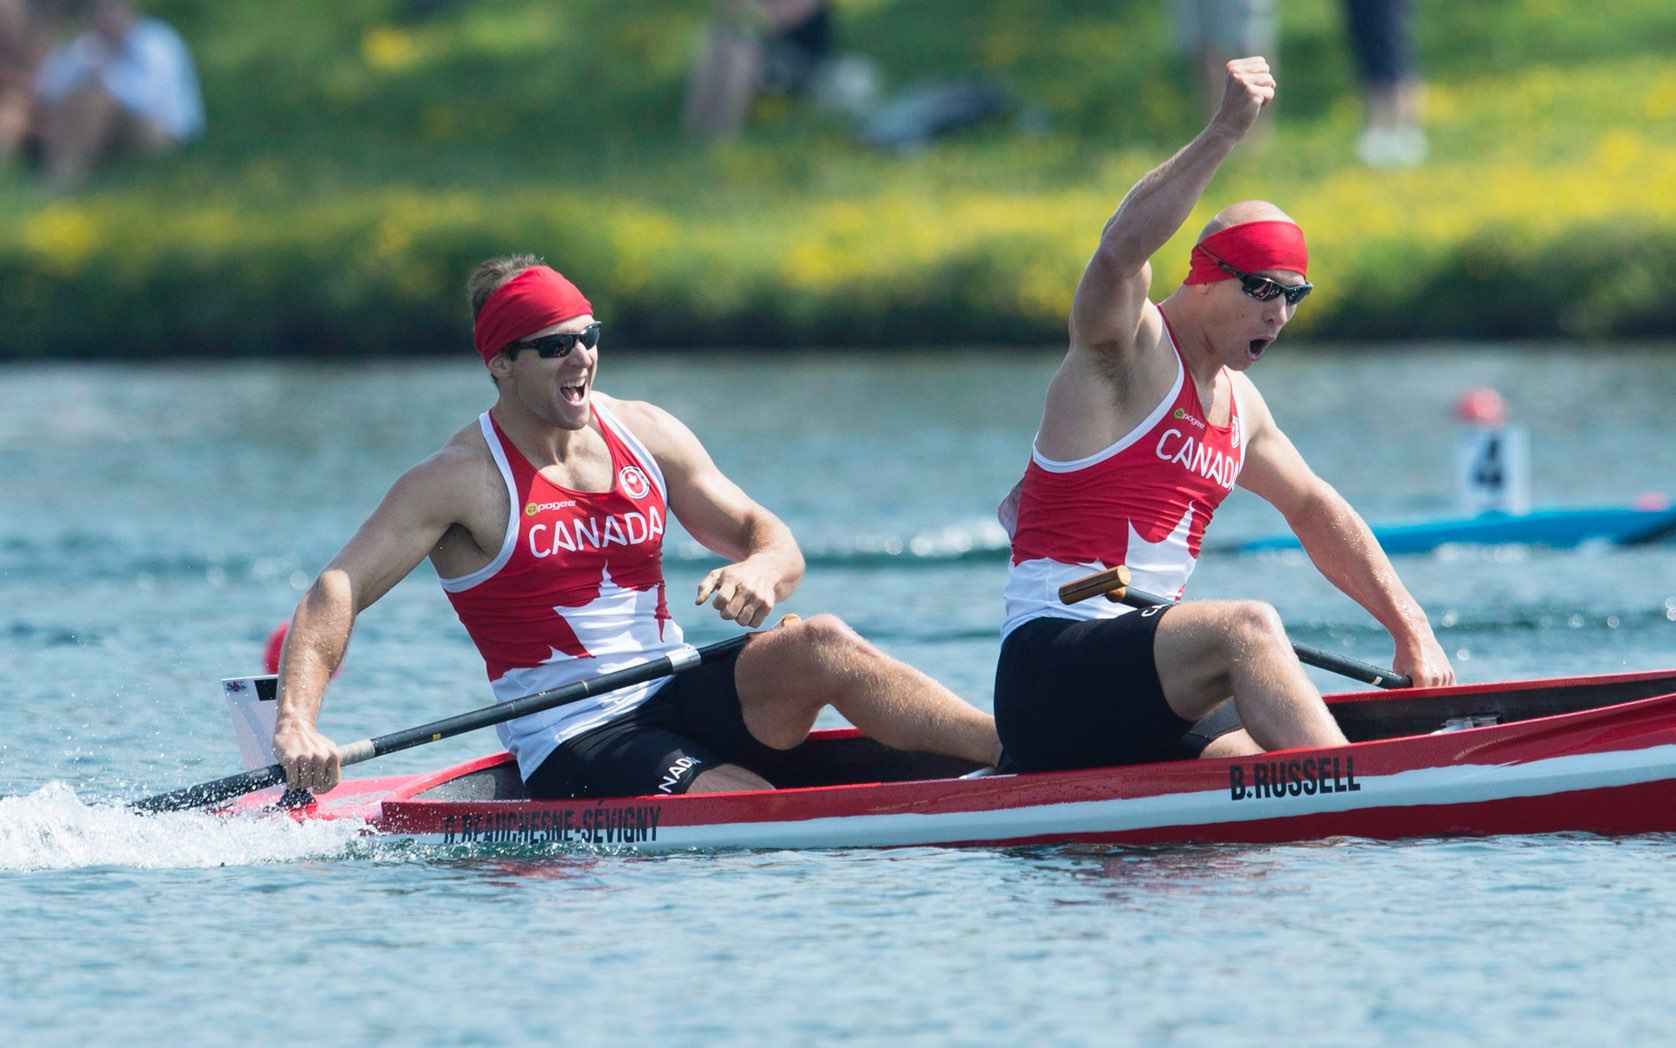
<point>363,154</point>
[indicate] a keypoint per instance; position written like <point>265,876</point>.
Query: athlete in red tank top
<point>544,519</point>
<point>567,554</point>
<point>1144,501</point>
<point>576,590</point>
<point>1137,447</point>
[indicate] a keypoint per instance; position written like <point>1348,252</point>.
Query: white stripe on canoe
<point>1443,786</point>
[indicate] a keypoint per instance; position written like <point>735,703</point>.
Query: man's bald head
<point>1241,213</point>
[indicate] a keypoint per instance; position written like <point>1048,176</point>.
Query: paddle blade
<point>204,793</point>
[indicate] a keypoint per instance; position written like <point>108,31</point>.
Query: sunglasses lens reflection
<point>560,345</point>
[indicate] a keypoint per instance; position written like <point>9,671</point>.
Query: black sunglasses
<point>1264,289</point>
<point>558,345</point>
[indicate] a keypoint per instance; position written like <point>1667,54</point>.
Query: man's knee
<point>1200,646</point>
<point>1220,632</point>
<point>795,669</point>
<point>1252,625</point>
<point>827,628</point>
<point>822,640</point>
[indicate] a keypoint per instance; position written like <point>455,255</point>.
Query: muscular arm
<point>1107,308</point>
<point>401,531</point>
<point>766,562</point>
<point>1338,542</point>
<point>1111,317</point>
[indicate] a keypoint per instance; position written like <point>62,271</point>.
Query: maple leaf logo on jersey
<point>608,632</point>
<point>1156,565</point>
<point>634,482</point>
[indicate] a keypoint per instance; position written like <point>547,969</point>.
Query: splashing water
<point>52,829</point>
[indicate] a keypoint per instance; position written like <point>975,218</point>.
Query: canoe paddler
<point>1149,423</point>
<point>545,518</point>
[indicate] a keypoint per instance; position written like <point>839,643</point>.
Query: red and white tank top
<point>1144,501</point>
<point>576,590</point>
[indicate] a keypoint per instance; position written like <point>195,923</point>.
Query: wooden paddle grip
<point>1111,582</point>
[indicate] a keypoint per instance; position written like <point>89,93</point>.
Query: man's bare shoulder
<point>658,429</point>
<point>454,475</point>
<point>465,450</point>
<point>679,453</point>
<point>1252,405</point>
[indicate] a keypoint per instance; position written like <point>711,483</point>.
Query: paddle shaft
<point>1114,583</point>
<point>677,661</point>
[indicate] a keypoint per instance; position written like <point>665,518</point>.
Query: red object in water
<point>1481,406</point>
<point>276,641</point>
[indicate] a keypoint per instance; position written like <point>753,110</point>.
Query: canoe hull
<point>1006,814</point>
<point>1591,755</point>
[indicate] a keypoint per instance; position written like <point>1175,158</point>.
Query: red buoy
<point>1481,406</point>
<point>276,641</point>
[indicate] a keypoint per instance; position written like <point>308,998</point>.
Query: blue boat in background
<point>1492,473</point>
<point>1560,528</point>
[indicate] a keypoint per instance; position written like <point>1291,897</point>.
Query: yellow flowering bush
<point>342,197</point>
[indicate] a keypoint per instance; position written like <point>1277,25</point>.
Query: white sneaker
<point>1392,146</point>
<point>1408,146</point>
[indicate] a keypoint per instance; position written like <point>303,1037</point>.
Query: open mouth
<point>1257,346</point>
<point>574,392</point>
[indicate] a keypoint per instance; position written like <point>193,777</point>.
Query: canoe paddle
<point>677,661</point>
<point>1114,583</point>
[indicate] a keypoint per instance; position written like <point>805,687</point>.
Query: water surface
<point>158,523</point>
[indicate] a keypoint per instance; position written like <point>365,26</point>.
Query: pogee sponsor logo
<point>533,508</point>
<point>1234,437</point>
<point>634,482</point>
<point>1181,414</point>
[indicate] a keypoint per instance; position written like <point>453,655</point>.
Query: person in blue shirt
<point>126,84</point>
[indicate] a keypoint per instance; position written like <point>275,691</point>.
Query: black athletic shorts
<point>689,726</point>
<point>1075,693</point>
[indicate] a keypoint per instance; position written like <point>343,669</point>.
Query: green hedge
<point>363,155</point>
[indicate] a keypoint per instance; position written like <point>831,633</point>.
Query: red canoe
<point>1594,754</point>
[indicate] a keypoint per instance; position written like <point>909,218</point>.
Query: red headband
<point>536,298</point>
<point>1250,247</point>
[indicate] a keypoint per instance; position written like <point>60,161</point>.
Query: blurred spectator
<point>918,116</point>
<point>776,46</point>
<point>21,49</point>
<point>1392,93</point>
<point>1213,33</point>
<point>126,84</point>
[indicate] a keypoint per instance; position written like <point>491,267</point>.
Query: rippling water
<point>157,524</point>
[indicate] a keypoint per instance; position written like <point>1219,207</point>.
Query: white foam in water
<point>956,539</point>
<point>52,829</point>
